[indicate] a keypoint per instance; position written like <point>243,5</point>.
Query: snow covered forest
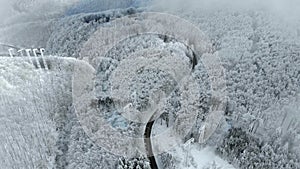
<point>114,88</point>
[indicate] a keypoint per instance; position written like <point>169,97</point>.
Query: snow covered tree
<point>136,163</point>
<point>245,151</point>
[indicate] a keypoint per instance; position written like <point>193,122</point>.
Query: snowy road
<point>148,144</point>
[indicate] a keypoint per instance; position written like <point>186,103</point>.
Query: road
<point>148,144</point>
<point>148,130</point>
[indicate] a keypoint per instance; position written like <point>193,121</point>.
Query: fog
<point>289,9</point>
<point>12,8</point>
<point>5,9</point>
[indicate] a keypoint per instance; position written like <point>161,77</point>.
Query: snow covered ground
<point>191,156</point>
<point>206,158</point>
<point>259,47</point>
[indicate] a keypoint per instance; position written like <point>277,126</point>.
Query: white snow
<point>260,54</point>
<point>198,157</point>
<point>207,157</point>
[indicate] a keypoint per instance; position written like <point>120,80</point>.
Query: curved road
<point>148,144</point>
<point>148,129</point>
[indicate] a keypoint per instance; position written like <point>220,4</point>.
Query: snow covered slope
<point>259,49</point>
<point>38,124</point>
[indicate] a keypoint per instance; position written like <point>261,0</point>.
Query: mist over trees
<point>259,50</point>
